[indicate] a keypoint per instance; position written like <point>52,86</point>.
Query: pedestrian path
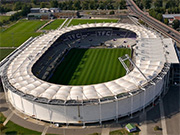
<point>44,25</point>
<point>45,130</point>
<point>105,131</point>
<point>8,118</point>
<point>163,121</point>
<point>144,125</point>
<point>69,22</point>
<point>63,24</point>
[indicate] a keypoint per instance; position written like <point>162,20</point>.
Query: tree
<point>34,2</point>
<point>152,13</point>
<point>147,4</point>
<point>158,3</point>
<point>70,5</point>
<point>122,4</point>
<point>159,17</point>
<point>25,10</point>
<point>1,24</point>
<point>112,12</point>
<point>92,4</point>
<point>176,24</point>
<point>170,4</point>
<point>42,5</point>
<point>85,5</point>
<point>166,21</point>
<point>17,6</point>
<point>54,3</point>
<point>60,5</point>
<point>77,5</point>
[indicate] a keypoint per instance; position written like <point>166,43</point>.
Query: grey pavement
<point>45,130</point>
<point>105,131</point>
<point>163,120</point>
<point>8,118</point>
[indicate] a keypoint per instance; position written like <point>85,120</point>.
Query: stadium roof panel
<point>21,77</point>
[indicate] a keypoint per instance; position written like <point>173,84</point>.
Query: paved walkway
<point>105,131</point>
<point>8,47</point>
<point>144,126</point>
<point>163,120</point>
<point>44,25</point>
<point>69,22</point>
<point>8,118</point>
<point>45,130</point>
<point>62,25</point>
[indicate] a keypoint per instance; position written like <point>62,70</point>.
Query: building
<point>33,16</point>
<point>49,13</point>
<point>66,14</point>
<point>35,10</point>
<point>171,17</point>
<point>32,95</point>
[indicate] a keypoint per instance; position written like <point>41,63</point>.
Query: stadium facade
<point>27,69</point>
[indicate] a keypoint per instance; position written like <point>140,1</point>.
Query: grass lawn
<point>4,18</point>
<point>89,66</point>
<point>14,129</point>
<point>20,32</point>
<point>54,25</point>
<point>122,132</point>
<point>84,21</point>
<point>4,53</point>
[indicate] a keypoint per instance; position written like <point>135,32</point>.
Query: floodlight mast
<point>127,69</point>
<point>124,65</point>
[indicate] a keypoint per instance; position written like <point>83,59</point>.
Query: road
<point>153,22</point>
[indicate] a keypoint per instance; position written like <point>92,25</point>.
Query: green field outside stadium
<point>54,25</point>
<point>84,21</point>
<point>90,66</point>
<point>19,33</point>
<point>4,53</point>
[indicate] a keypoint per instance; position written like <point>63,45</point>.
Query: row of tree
<point>147,4</point>
<point>158,15</point>
<point>23,11</point>
<point>85,4</point>
<point>4,9</point>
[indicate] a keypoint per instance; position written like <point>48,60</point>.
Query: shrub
<point>156,128</point>
<point>2,127</point>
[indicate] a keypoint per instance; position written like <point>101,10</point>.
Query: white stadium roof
<point>150,58</point>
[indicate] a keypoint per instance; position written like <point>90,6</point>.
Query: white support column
<point>165,84</point>
<point>22,104</point>
<point>34,110</point>
<point>131,96</point>
<point>4,88</point>
<point>83,115</point>
<point>65,115</point>
<point>117,110</point>
<point>100,113</point>
<point>13,98</point>
<point>144,101</point>
<point>154,94</point>
<point>50,113</point>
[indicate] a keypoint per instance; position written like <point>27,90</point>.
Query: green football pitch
<point>89,66</point>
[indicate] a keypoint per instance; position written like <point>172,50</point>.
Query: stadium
<point>28,72</point>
